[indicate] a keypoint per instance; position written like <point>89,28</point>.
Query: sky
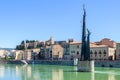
<point>62,19</point>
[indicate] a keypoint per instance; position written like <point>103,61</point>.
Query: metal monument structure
<point>85,64</point>
<point>85,48</point>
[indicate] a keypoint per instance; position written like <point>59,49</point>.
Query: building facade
<point>102,52</point>
<point>97,51</point>
<point>118,51</point>
<point>27,54</point>
<point>57,51</point>
<point>75,50</point>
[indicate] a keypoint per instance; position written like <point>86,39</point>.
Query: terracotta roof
<point>93,45</point>
<point>75,43</point>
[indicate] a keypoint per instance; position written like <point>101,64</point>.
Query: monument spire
<point>88,45</point>
<point>83,48</point>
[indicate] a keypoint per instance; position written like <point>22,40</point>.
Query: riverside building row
<point>62,50</point>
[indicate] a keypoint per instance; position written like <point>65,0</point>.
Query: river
<point>52,72</point>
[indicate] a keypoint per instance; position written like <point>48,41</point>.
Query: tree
<point>23,42</point>
<point>17,47</point>
<point>27,41</point>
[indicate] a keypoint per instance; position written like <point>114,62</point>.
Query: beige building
<point>57,51</point>
<point>3,53</point>
<point>101,52</point>
<point>118,51</point>
<point>97,51</point>
<point>54,51</point>
<point>26,54</point>
<point>19,54</point>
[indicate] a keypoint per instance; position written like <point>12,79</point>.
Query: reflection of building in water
<point>111,76</point>
<point>57,74</point>
<point>101,76</point>
<point>32,73</point>
<point>2,71</point>
<point>92,76</point>
<point>18,70</point>
<point>105,75</point>
<point>29,71</point>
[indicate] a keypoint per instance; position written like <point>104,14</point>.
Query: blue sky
<point>62,19</point>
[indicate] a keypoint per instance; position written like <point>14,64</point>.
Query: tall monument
<point>83,47</point>
<point>85,64</point>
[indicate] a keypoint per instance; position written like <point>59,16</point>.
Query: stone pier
<point>85,66</point>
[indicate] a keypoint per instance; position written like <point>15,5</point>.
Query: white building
<point>75,50</point>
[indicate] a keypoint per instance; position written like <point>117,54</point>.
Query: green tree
<point>23,42</point>
<point>27,41</point>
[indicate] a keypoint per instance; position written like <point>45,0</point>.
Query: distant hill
<point>7,48</point>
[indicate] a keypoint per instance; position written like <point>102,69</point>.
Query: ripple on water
<point>108,72</point>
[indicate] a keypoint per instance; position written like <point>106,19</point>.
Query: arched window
<point>100,52</point>
<point>78,46</point>
<point>77,52</point>
<point>95,53</point>
<point>104,52</point>
<point>91,52</point>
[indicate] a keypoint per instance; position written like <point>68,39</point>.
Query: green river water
<point>52,72</point>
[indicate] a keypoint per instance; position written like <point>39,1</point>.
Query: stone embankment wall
<point>69,63</point>
<point>46,62</point>
<point>115,64</point>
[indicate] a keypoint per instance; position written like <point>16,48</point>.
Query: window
<point>95,53</point>
<point>50,51</point>
<point>91,52</point>
<point>104,52</point>
<point>77,46</point>
<point>77,52</point>
<point>72,51</point>
<point>100,52</point>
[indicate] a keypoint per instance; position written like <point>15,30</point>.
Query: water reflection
<point>47,72</point>
<point>57,74</point>
<point>107,74</point>
<point>2,69</point>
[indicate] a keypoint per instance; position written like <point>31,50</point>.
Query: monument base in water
<point>85,66</point>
